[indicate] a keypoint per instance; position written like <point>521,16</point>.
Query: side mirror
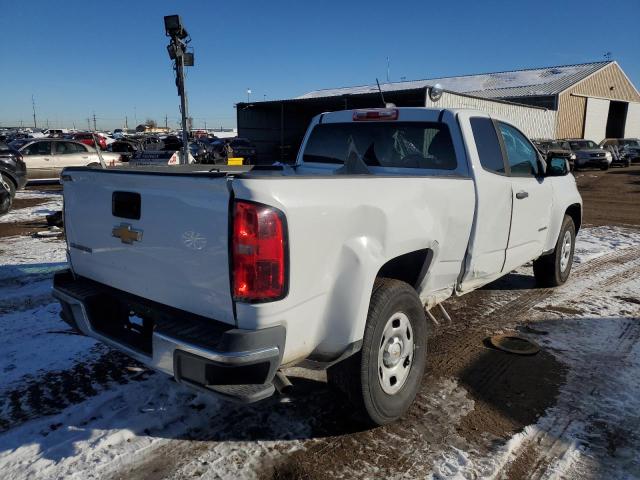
<point>558,167</point>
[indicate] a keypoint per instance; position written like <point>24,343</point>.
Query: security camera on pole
<point>177,52</point>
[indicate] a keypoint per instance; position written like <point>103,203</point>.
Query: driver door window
<point>522,157</point>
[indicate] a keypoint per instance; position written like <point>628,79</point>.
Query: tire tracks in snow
<point>549,450</point>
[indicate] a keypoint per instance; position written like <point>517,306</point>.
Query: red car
<point>87,139</point>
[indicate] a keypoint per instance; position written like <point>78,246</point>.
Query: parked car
<point>13,175</point>
<point>628,148</point>
<point>45,158</point>
<point>87,139</point>
<point>125,147</point>
<point>220,278</point>
<point>555,149</point>
<point>56,132</point>
<point>242,148</point>
<point>588,154</point>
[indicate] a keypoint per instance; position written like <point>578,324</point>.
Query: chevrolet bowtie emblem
<point>126,234</point>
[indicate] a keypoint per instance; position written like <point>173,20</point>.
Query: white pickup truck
<point>221,278</point>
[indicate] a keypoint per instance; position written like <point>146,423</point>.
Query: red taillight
<point>259,256</point>
<point>376,114</point>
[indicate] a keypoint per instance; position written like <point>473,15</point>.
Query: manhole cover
<point>514,344</point>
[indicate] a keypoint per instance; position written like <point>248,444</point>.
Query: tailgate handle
<point>126,205</point>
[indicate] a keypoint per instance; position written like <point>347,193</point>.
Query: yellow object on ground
<point>235,160</point>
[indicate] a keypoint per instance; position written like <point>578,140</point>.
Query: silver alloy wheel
<point>395,354</point>
<point>565,252</point>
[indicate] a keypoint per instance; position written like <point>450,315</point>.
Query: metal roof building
<point>591,100</point>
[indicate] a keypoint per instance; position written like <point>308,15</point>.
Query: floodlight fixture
<point>174,28</point>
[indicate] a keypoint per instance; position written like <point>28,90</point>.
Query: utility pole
<point>166,124</point>
<point>205,125</point>
<point>47,123</point>
<point>33,104</point>
<point>94,121</point>
<point>177,52</point>
<point>248,95</point>
<point>88,124</point>
<point>387,69</point>
<point>126,122</point>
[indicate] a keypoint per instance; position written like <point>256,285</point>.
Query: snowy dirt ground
<point>72,408</point>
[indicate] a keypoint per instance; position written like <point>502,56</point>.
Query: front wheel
<point>9,184</point>
<point>6,199</point>
<point>383,379</point>
<point>553,270</point>
<point>604,167</point>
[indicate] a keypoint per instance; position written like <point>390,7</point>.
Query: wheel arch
<point>410,267</point>
<point>575,212</point>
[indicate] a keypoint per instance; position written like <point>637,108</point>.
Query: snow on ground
<point>593,431</point>
<point>122,425</point>
<point>593,242</point>
<point>52,203</point>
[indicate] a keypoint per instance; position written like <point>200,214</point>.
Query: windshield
<point>388,144</point>
<point>630,142</point>
<point>583,145</point>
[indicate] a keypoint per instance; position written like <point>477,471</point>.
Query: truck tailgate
<point>175,253</point>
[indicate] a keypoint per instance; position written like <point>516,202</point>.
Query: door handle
<point>522,194</point>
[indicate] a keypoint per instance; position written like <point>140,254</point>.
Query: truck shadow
<point>508,392</point>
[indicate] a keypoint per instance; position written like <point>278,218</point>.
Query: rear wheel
<point>383,379</point>
<point>604,167</point>
<point>553,270</point>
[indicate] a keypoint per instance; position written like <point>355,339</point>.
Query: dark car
<point>13,175</point>
<point>628,149</point>
<point>588,153</point>
<point>126,148</point>
<point>241,147</point>
<point>555,149</point>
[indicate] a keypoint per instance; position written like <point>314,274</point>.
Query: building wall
<point>534,122</point>
<point>571,108</point>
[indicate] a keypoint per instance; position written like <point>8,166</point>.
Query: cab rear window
<point>386,144</point>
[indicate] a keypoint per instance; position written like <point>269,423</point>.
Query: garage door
<point>595,122</point>
<point>632,126</point>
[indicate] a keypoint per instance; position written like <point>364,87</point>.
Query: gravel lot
<point>70,407</point>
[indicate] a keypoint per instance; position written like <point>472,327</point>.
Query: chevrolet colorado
<point>221,278</point>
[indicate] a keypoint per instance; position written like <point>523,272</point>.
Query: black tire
<point>9,182</point>
<point>604,167</point>
<point>358,375</point>
<point>6,200</point>
<point>548,268</point>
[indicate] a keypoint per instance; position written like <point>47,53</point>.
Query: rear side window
<point>487,144</point>
<point>383,144</point>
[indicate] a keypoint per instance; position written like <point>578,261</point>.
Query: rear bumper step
<point>202,353</point>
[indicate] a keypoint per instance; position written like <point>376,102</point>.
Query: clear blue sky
<point>109,57</point>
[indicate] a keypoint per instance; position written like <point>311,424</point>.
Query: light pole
<point>248,94</point>
<point>177,52</point>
